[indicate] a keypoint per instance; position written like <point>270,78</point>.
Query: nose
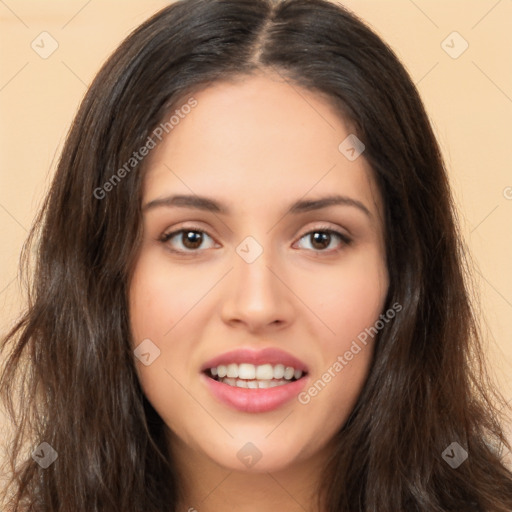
<point>256,295</point>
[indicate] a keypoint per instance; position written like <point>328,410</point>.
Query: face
<point>264,265</point>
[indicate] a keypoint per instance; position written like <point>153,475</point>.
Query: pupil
<point>322,238</point>
<point>193,239</point>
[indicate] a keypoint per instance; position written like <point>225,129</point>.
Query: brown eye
<point>186,240</point>
<point>322,239</point>
<point>192,239</point>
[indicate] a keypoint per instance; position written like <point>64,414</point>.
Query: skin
<point>256,145</point>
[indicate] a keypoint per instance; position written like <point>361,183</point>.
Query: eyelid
<point>327,227</point>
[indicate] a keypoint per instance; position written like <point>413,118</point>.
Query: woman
<point>249,288</point>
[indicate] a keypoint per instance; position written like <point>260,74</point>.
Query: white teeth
<point>253,384</point>
<point>232,371</point>
<point>249,372</point>
<point>288,373</point>
<point>265,371</point>
<point>278,371</point>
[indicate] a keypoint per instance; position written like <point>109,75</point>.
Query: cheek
<point>349,301</point>
<point>160,297</point>
<point>159,302</point>
<point>350,298</point>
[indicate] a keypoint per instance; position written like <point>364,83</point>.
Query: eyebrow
<point>211,205</point>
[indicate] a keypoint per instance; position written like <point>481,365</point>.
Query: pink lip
<point>268,355</point>
<point>254,400</point>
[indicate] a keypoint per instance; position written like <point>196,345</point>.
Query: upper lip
<point>269,355</point>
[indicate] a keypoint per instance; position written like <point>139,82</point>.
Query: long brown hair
<point>70,362</point>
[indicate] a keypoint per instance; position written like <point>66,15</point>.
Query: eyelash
<point>344,239</point>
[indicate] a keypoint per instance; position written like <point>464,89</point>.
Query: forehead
<point>257,139</point>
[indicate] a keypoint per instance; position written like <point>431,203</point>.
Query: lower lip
<point>254,400</point>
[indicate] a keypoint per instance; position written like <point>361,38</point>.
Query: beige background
<point>469,99</point>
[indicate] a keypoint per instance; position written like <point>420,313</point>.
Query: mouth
<point>250,376</point>
<point>255,381</point>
